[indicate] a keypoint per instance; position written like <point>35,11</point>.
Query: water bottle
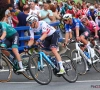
<point>53,60</point>
<point>87,54</point>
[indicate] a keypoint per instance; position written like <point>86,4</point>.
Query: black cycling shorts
<point>51,41</point>
<point>85,33</point>
<point>13,40</point>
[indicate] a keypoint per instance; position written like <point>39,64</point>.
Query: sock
<point>61,65</point>
<point>20,64</point>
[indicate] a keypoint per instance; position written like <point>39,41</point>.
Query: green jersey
<point>8,29</point>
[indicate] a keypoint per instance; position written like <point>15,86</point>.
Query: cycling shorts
<point>51,41</point>
<point>12,41</point>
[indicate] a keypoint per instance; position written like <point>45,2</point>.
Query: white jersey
<point>42,28</point>
<point>97,21</point>
<point>33,12</point>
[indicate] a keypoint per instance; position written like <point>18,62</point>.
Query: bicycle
<point>6,67</point>
<point>41,65</point>
<point>82,61</point>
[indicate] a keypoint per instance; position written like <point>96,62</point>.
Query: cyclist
<point>11,39</point>
<point>91,14</point>
<point>91,25</point>
<point>80,31</point>
<point>97,20</point>
<point>49,37</point>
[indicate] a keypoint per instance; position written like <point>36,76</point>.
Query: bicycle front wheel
<point>96,61</point>
<point>42,75</point>
<point>71,74</point>
<point>25,59</point>
<point>5,70</point>
<point>78,59</point>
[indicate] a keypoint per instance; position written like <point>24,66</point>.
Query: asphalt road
<point>89,81</point>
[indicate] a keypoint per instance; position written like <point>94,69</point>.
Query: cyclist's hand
<point>78,38</point>
<point>26,48</point>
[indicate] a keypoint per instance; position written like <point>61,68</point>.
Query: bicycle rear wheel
<point>78,60</point>
<point>25,59</point>
<point>96,61</point>
<point>43,75</point>
<point>71,74</point>
<point>5,70</point>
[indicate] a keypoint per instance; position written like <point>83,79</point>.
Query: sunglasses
<point>65,20</point>
<point>29,22</point>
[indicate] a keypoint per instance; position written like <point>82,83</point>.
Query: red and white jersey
<point>42,28</point>
<point>84,11</point>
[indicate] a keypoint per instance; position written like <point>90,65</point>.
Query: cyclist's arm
<point>44,35</point>
<point>77,29</point>
<point>4,31</point>
<point>3,35</point>
<point>96,20</point>
<point>31,41</point>
<point>67,34</point>
<point>95,28</point>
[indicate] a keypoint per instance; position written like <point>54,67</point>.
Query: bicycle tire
<point>4,67</point>
<point>95,62</point>
<point>71,74</point>
<point>25,64</point>
<point>33,64</point>
<point>80,64</point>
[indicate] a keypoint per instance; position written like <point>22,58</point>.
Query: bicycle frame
<point>82,53</point>
<point>43,55</point>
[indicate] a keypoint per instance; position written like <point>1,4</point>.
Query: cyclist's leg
<point>68,35</point>
<point>83,37</point>
<point>15,42</point>
<point>6,44</point>
<point>53,47</point>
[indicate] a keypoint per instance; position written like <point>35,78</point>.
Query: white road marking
<point>51,82</point>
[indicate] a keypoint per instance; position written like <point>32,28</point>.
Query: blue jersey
<point>76,23</point>
<point>91,13</point>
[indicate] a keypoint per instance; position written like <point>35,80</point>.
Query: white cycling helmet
<point>31,18</point>
<point>67,16</point>
<point>91,7</point>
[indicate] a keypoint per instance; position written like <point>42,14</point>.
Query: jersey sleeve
<point>77,23</point>
<point>67,28</point>
<point>4,26</point>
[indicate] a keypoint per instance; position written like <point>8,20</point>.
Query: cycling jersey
<point>97,21</point>
<point>75,23</point>
<point>89,13</point>
<point>42,28</point>
<point>92,14</point>
<point>8,29</point>
<point>92,25</point>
